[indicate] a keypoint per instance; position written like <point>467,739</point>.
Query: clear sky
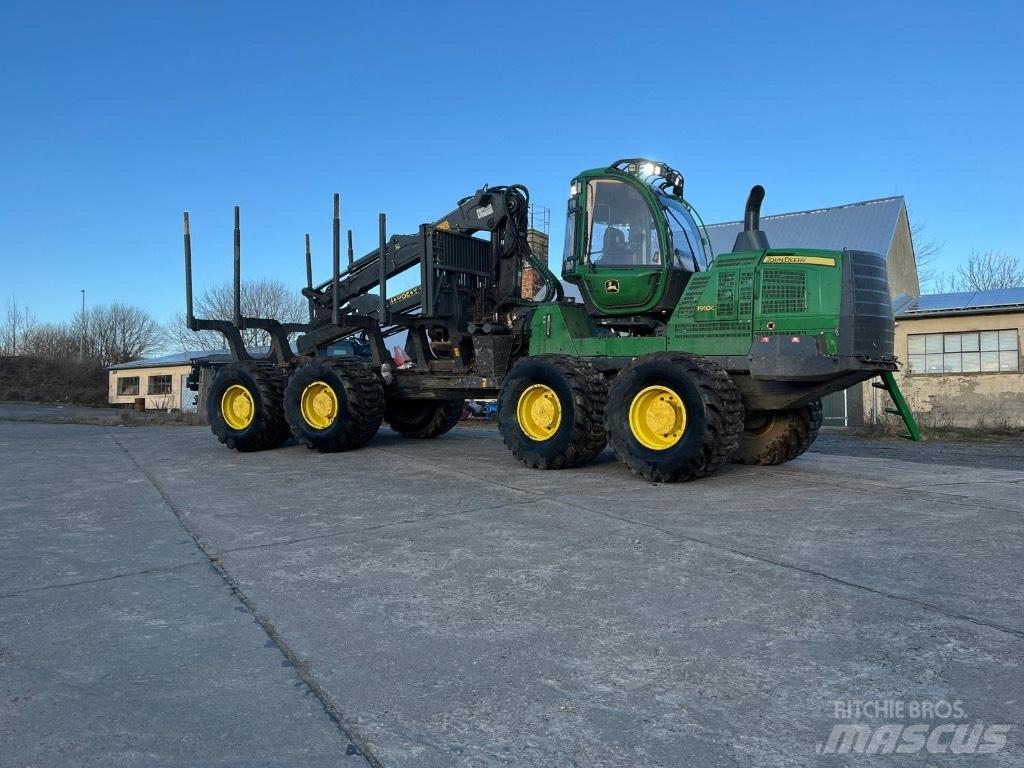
<point>117,116</point>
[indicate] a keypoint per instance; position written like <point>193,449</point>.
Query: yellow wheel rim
<point>238,407</point>
<point>539,412</point>
<point>657,417</point>
<point>319,405</point>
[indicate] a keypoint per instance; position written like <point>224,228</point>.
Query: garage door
<point>834,409</point>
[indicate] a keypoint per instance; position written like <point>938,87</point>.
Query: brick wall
<point>532,281</point>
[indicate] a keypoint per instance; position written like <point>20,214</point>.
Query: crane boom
<point>483,275</point>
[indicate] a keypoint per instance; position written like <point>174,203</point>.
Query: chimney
<point>532,282</point>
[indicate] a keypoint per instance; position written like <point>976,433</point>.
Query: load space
<point>678,359</point>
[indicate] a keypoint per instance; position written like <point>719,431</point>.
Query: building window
<point>128,385</point>
<point>973,352</point>
<point>159,385</point>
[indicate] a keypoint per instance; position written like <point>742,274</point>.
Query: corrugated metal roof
<point>179,358</point>
<point>997,299</point>
<point>867,226</point>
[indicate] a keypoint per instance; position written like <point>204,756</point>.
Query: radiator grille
<point>726,283</point>
<point>725,328</point>
<point>460,253</point>
<point>783,291</point>
<point>694,290</point>
<point>746,308</point>
<point>725,308</point>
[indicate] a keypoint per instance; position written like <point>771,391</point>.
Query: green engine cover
<point>788,292</point>
<point>794,292</point>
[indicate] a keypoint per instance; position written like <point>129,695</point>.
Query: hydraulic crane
<point>464,280</point>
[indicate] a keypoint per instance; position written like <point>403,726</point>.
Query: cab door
<point>623,265</point>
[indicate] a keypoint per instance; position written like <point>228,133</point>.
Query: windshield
<point>686,246</point>
<point>621,230</point>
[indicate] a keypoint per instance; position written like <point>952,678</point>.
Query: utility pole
<point>81,342</point>
<point>14,324</point>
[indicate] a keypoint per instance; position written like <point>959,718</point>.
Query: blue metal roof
<point>995,300</point>
<point>178,358</point>
<point>867,226</point>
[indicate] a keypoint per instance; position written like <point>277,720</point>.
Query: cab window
<point>621,231</point>
<point>686,246</point>
<point>569,254</point>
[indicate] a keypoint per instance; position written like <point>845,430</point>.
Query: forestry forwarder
<point>678,360</point>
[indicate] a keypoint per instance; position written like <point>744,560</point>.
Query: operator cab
<point>631,240</point>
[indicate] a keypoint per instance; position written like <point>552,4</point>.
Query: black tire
<point>775,437</point>
<point>422,418</point>
<point>359,400</point>
<point>264,383</point>
<point>581,391</point>
<point>713,417</point>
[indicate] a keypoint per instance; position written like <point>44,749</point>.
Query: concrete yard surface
<point>167,602</point>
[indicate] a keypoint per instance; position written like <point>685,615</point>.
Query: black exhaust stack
<point>752,238</point>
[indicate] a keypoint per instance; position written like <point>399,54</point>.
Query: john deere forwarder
<point>678,359</point>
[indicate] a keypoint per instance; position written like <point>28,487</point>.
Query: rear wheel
<point>334,404</point>
<point>673,417</point>
<point>551,411</point>
<point>422,418</point>
<point>775,437</point>
<point>244,406</point>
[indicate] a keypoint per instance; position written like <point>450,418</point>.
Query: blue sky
<point>119,116</point>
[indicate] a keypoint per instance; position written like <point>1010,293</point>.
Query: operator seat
<point>613,246</point>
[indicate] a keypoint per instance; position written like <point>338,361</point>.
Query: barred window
<point>160,385</point>
<point>128,385</point>
<point>972,352</point>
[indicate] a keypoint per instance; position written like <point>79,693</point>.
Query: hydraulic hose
<point>552,285</point>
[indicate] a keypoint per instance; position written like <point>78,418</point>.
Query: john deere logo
<point>611,286</point>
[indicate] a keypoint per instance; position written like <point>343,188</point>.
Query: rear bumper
<point>800,358</point>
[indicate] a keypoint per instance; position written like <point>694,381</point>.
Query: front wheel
<point>550,411</point>
<point>775,437</point>
<point>673,417</point>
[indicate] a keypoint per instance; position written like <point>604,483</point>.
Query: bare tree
<point>942,282</point>
<point>991,269</point>
<point>118,333</point>
<point>926,251</point>
<point>16,323</point>
<point>983,271</point>
<point>259,298</point>
<point>55,341</point>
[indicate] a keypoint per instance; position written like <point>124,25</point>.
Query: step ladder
<point>902,410</point>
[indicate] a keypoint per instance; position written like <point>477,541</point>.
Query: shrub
<point>44,380</point>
